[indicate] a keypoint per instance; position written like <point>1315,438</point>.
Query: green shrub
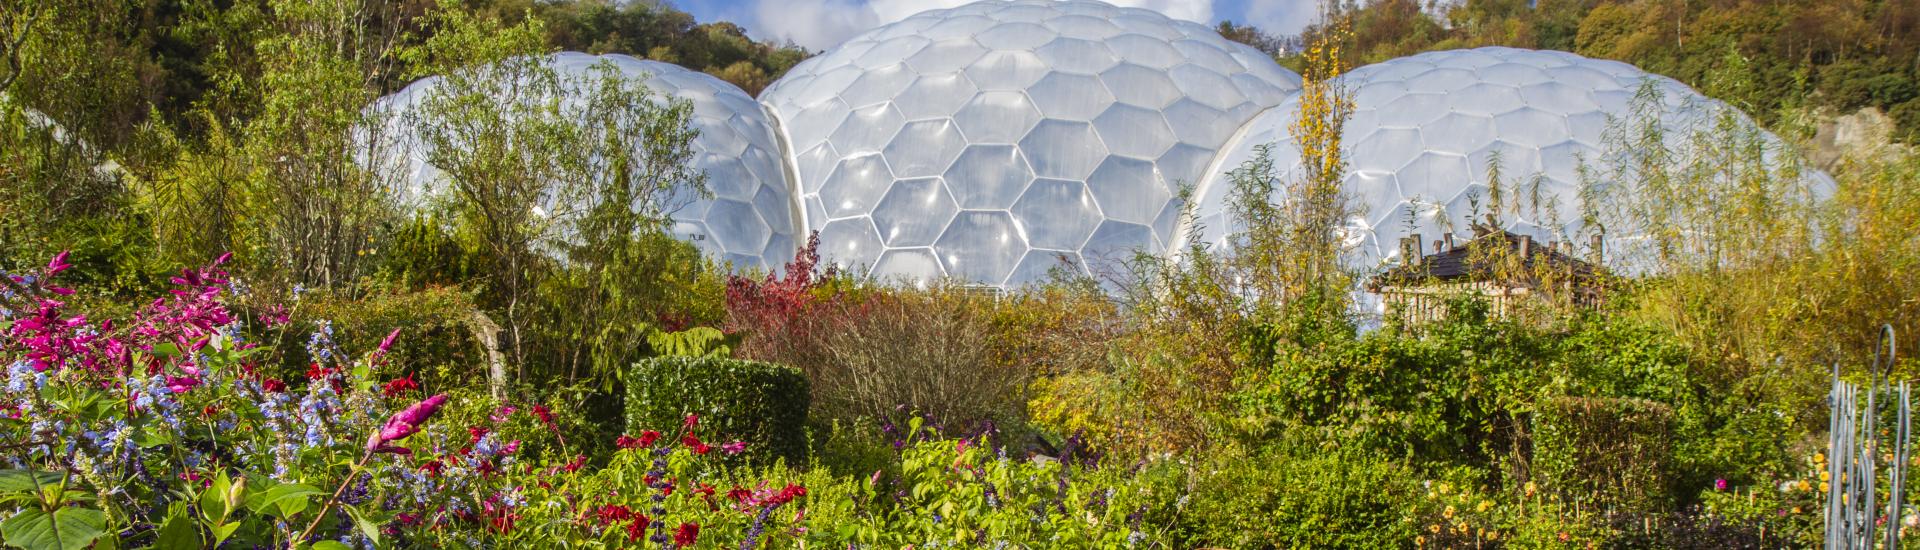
<point>763,404</point>
<point>1609,452</point>
<point>1303,498</point>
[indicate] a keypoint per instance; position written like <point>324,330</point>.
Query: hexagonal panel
<point>981,245</point>
<point>1134,131</point>
<point>988,176</point>
<point>1061,214</point>
<point>914,212</point>
<point>1063,149</point>
<point>924,148</point>
<point>997,117</point>
<point>855,185</point>
<point>1129,190</point>
<point>1070,96</point>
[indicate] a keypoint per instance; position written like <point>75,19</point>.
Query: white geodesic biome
<point>748,220</point>
<point>991,141</point>
<point>1426,131</point>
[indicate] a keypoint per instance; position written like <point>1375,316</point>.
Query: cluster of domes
<point>997,140</point>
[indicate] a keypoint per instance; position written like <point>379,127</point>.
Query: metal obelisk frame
<point>1854,445</point>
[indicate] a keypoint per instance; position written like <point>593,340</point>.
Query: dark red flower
<point>273,385</point>
<point>638,528</point>
<point>400,386</point>
<point>546,416</point>
<point>628,442</point>
<point>648,437</point>
<point>687,534</point>
<point>693,442</point>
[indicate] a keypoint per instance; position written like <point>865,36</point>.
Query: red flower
<point>694,443</point>
<point>647,438</point>
<point>608,514</point>
<point>273,385</point>
<point>687,534</point>
<point>638,529</point>
<point>628,442</point>
<point>546,416</point>
<point>575,465</point>
<point>692,420</point>
<point>400,386</point>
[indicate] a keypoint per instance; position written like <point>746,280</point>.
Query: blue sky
<point>818,24</point>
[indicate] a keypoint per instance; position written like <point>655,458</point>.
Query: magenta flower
<point>1720,484</point>
<point>58,264</point>
<point>387,344</point>
<point>734,448</point>
<point>405,423</point>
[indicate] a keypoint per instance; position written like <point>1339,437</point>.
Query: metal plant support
<point>1854,444</point>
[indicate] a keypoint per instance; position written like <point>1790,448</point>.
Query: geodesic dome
<point>988,141</point>
<point>1426,129</point>
<point>748,221</point>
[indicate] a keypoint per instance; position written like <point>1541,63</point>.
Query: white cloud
<point>821,24</point>
<point>1282,17</point>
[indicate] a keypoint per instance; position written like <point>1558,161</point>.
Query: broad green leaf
<point>330,545</point>
<point>166,350</point>
<point>26,481</point>
<point>222,531</point>
<point>286,499</point>
<point>65,529</point>
<point>213,500</point>
<point>179,530</point>
<point>368,522</point>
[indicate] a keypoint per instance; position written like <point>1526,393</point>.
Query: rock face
<point>1866,134</point>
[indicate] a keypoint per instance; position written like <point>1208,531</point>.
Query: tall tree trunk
<point>488,333</point>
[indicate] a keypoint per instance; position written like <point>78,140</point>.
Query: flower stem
<point>322,514</point>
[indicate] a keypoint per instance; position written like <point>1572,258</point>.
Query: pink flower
<point>692,420</point>
<point>734,448</point>
<point>58,264</point>
<point>406,422</point>
<point>386,344</point>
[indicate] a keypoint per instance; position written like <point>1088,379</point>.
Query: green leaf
<point>166,350</point>
<point>179,530</point>
<point>330,545</point>
<point>26,481</point>
<point>368,522</point>
<point>285,500</point>
<point>222,531</point>
<point>213,500</point>
<point>65,529</point>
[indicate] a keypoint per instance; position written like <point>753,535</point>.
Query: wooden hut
<point>1512,272</point>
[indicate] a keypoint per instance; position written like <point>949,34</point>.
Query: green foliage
<point>1607,452</point>
<point>1303,497</point>
<point>760,403</point>
<point>960,493</point>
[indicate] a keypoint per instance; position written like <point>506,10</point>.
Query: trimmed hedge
<point>762,404</point>
<point>1613,453</point>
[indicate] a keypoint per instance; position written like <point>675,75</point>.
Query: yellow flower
<point>1443,488</point>
<point>1493,535</point>
<point>1823,486</point>
<point>1435,528</point>
<point>1420,540</point>
<point>1804,485</point>
<point>1824,476</point>
<point>1431,495</point>
<point>1820,457</point>
<point>1484,505</point>
<point>1449,512</point>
